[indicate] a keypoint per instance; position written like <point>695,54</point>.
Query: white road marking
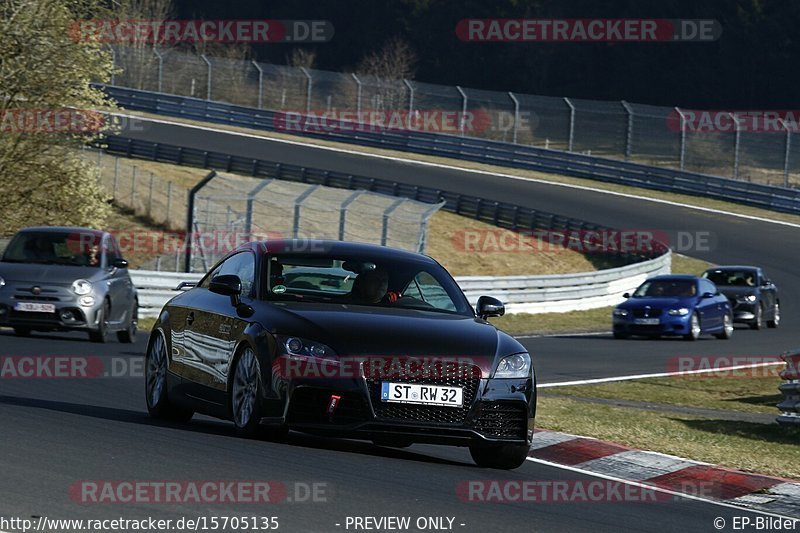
<point>462,169</point>
<point>659,375</point>
<point>659,489</point>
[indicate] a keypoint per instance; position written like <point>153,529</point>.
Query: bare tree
<point>385,69</point>
<point>137,59</point>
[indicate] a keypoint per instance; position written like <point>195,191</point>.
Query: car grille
<point>647,313</point>
<point>310,406</point>
<point>504,420</point>
<point>426,413</point>
<point>32,298</point>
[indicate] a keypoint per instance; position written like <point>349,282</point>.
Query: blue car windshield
<point>667,288</point>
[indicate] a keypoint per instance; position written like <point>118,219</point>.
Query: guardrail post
<point>386,215</point>
<point>683,137</point>
<point>358,94</point>
<point>308,88</point>
<point>629,130</point>
<point>410,102</point>
<point>462,122</point>
<point>208,84</point>
<point>786,153</point>
<point>736,142</point>
<point>343,211</point>
<point>571,141</point>
<point>160,69</point>
<point>260,84</point>
<point>187,265</point>
<point>516,116</point>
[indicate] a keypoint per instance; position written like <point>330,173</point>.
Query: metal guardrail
<point>479,150</point>
<point>531,294</point>
<point>790,404</point>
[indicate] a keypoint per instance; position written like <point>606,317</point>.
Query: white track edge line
<point>462,169</point>
<point>662,490</point>
<point>659,375</point>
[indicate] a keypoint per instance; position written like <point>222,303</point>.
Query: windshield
<point>666,288</point>
<point>736,278</point>
<point>363,281</point>
<point>54,248</point>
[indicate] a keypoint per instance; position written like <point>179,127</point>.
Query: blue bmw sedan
<point>674,305</point>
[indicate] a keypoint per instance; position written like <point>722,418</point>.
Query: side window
<point>425,287</point>
<point>243,265</point>
<point>707,286</point>
<point>112,251</point>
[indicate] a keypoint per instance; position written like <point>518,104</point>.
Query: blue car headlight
<point>514,366</point>
<point>292,345</point>
<point>621,312</point>
<point>682,311</point>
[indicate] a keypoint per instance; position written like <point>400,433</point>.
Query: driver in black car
<point>372,287</point>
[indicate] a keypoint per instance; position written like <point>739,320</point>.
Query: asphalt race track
<point>59,432</point>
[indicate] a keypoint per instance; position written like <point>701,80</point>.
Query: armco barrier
<point>790,404</point>
<point>479,150</point>
<point>522,294</point>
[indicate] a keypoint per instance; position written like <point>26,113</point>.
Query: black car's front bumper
<point>494,411</point>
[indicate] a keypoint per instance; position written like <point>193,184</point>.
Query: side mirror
<point>626,295</point>
<point>488,306</point>
<point>227,285</point>
<point>708,295</point>
<point>119,263</point>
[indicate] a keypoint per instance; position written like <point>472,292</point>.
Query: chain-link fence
<point>670,137</point>
<point>231,209</point>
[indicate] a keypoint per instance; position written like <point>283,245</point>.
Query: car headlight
<point>683,311</point>
<point>2,283</point>
<point>296,346</point>
<point>514,366</point>
<point>81,287</point>
<point>620,312</point>
<point>747,298</point>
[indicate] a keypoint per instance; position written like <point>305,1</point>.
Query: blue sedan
<point>674,305</point>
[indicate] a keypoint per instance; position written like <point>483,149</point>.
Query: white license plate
<point>31,307</point>
<point>422,394</point>
<point>647,321</point>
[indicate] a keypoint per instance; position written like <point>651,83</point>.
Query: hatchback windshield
<point>54,248</point>
<point>740,278</point>
<point>668,288</point>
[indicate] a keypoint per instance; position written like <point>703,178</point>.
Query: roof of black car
<point>61,229</point>
<point>331,247</point>
<point>732,267</point>
<point>677,277</point>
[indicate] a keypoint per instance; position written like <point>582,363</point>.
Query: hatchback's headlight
<point>748,298</point>
<point>81,287</point>
<point>683,311</point>
<point>620,312</point>
<point>514,366</point>
<point>2,283</point>
<point>297,346</point>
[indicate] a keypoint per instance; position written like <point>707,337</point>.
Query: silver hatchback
<point>67,279</point>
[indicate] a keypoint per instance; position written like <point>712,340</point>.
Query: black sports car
<point>753,296</point>
<point>347,340</point>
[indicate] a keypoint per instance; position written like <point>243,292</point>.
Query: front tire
<point>99,335</point>
<point>128,335</point>
<point>155,383</point>
<point>502,456</point>
<point>727,328</point>
<point>694,328</point>
<point>758,321</point>
<point>776,317</point>
<point>245,394</point>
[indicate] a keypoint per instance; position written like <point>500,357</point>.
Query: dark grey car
<point>753,296</point>
<point>67,279</point>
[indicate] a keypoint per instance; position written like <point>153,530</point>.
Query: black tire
<point>155,367</point>
<point>694,333</point>
<point>128,335</point>
<point>727,328</point>
<point>22,332</point>
<point>776,317</point>
<point>99,335</point>
<point>758,321</point>
<point>501,457</point>
<point>245,394</point>
<point>620,335</point>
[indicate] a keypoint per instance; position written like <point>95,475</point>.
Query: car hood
<point>47,274</point>
<point>369,331</point>
<point>661,303</point>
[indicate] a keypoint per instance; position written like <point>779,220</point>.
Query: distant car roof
<point>343,248</point>
<point>675,277</point>
<point>732,267</point>
<point>61,229</point>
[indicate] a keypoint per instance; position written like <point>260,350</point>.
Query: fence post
<point>410,102</point>
<point>571,139</point>
<point>343,211</point>
<point>386,215</point>
<point>786,153</point>
<point>160,69</point>
<point>736,142</point>
<point>116,177</point>
<point>251,196</point>
<point>358,94</point>
<point>683,137</point>
<point>133,189</point>
<point>308,89</point>
<point>150,197</point>
<point>169,204</point>
<point>461,122</point>
<point>208,84</point>
<point>516,116</point>
<point>629,130</point>
<point>298,203</point>
<point>113,65</point>
<point>190,219</point>
<point>260,84</point>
